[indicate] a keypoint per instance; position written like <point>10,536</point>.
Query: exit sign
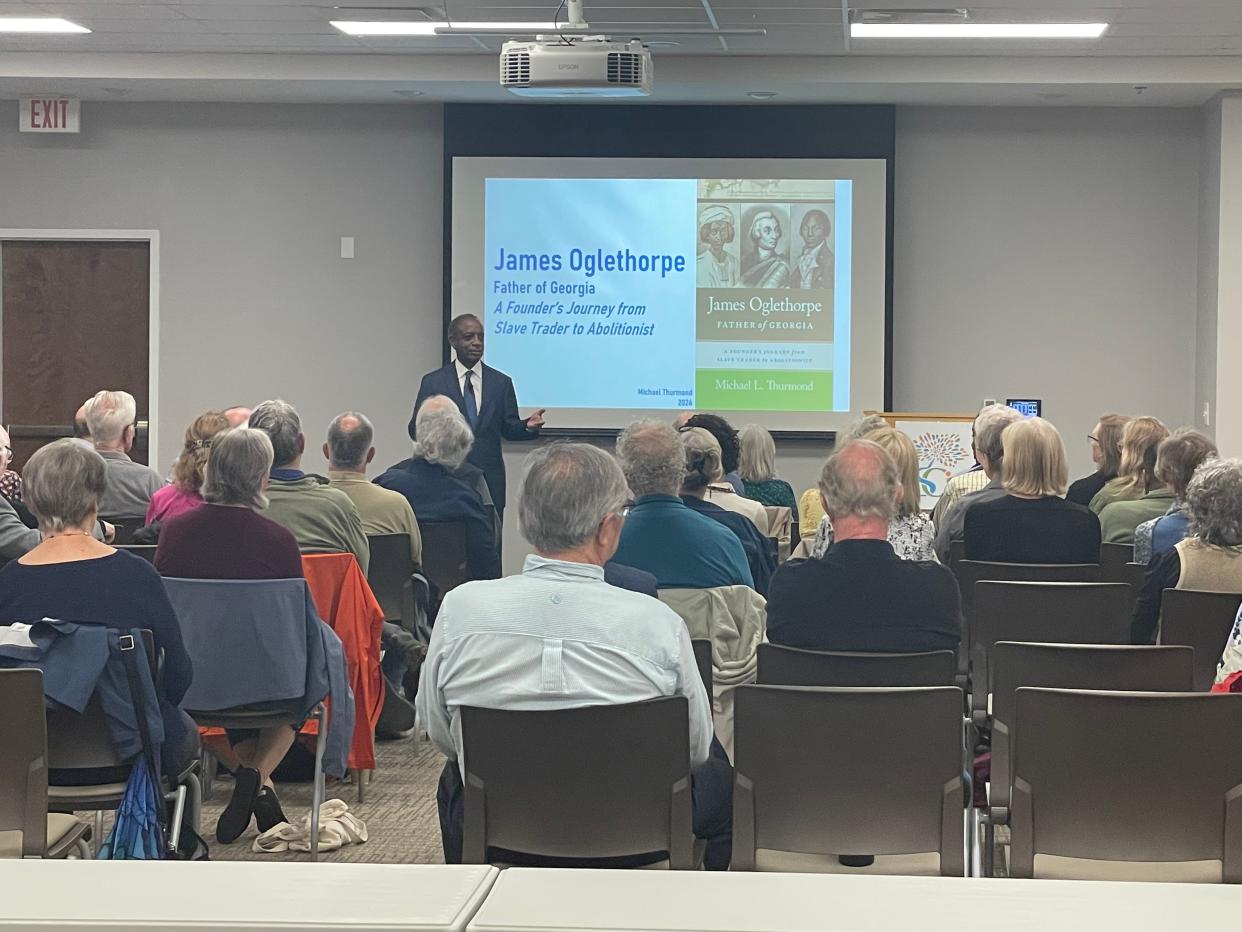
<point>50,115</point>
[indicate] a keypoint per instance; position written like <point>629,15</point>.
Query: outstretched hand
<point>535,421</point>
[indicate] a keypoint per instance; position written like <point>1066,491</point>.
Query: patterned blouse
<point>11,485</point>
<point>910,535</point>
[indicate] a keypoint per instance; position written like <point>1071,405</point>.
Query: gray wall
<point>1041,252</point>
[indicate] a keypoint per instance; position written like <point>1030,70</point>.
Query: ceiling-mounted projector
<point>587,66</point>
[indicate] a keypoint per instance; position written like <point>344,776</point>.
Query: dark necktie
<point>472,405</point>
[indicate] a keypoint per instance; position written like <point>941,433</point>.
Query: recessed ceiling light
<point>39,24</point>
<point>406,92</point>
<point>429,27</point>
<point>977,30</point>
<point>761,95</point>
<point>663,44</point>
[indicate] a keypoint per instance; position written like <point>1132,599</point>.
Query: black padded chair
<point>125,527</point>
<point>1202,620</point>
<point>1066,666</point>
<point>823,773</point>
<point>1126,786</point>
<point>402,592</point>
<point>596,782</point>
<point>1113,557</point>
<point>703,660</point>
<point>1055,613</point>
<point>789,666</point>
<point>444,557</point>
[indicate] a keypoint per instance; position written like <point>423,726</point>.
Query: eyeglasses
<point>1093,438</point>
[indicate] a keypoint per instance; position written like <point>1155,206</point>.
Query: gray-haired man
<point>494,641</point>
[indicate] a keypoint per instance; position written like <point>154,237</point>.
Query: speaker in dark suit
<point>486,398</point>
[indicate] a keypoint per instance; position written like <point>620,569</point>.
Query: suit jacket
<point>497,418</point>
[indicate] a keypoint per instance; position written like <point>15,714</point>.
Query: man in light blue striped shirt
<point>558,636</point>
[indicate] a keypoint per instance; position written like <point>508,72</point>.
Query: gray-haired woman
<point>1210,557</point>
<point>73,576</point>
<point>225,538</point>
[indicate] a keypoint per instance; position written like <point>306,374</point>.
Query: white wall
<point>1039,252</point>
<point>251,202</point>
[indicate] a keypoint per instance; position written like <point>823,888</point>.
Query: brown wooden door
<point>76,319</point>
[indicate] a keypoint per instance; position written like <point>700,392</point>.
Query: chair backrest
<point>1115,556</point>
<point>1127,777</point>
<point>957,552</point>
<point>848,771</point>
<point>146,551</point>
<point>84,741</point>
<point>444,554</point>
<point>389,574</point>
<point>789,666</point>
<point>970,572</point>
<point>1072,666</point>
<point>23,765</point>
<point>703,660</point>
<point>1048,612</point>
<point>249,640</point>
<point>1202,620</point>
<point>594,782</point>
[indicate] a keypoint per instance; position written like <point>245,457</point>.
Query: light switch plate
<point>347,247</point>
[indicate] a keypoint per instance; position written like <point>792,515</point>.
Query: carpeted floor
<point>400,810</point>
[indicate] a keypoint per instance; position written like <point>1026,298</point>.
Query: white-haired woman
<point>757,467</point>
<point>1210,558</point>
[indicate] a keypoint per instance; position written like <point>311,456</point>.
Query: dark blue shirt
<point>759,555</point>
<point>437,496</point>
<point>120,591</point>
<point>682,549</point>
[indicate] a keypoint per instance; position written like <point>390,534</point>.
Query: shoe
<point>235,818</point>
<point>267,811</point>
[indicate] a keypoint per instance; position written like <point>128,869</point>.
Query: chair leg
<point>97,834</point>
<point>194,801</point>
<point>318,789</point>
<point>84,850</point>
<point>364,777</point>
<point>174,831</point>
<point>989,848</point>
<point>208,767</point>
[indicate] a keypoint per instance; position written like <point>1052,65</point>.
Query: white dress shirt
<point>555,637</point>
<point>476,380</point>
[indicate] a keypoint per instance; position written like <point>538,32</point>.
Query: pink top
<point>171,501</point>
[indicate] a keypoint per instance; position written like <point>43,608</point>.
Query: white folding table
<point>238,895</point>
<point>525,900</point>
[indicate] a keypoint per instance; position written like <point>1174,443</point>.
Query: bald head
<point>238,415</point>
<point>349,448</point>
<point>860,481</point>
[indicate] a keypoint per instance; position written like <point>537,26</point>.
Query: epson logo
<point>568,67</point>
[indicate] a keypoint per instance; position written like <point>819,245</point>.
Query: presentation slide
<point>608,293</point>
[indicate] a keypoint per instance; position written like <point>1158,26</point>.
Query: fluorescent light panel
<point>39,24</point>
<point>421,28</point>
<point>977,30</point>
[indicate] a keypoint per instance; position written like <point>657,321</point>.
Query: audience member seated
<point>1136,473</point>
<point>989,452</point>
<point>1209,557</point>
<point>427,482</point>
<point>1032,523</point>
<point>959,486</point>
<point>860,596</point>
<point>810,504</point>
<point>81,430</point>
<point>10,481</point>
<point>730,449</point>
<point>494,642</point>
<point>322,519</point>
<point>73,577</point>
<point>111,417</point>
<point>227,539</point>
<point>757,467</point>
<point>1105,439</point>
<point>910,532</point>
<point>349,450</point>
<point>1177,458</point>
<point>703,468</point>
<point>238,415</point>
<point>662,535</point>
<point>182,494</point>
<point>1177,455</point>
